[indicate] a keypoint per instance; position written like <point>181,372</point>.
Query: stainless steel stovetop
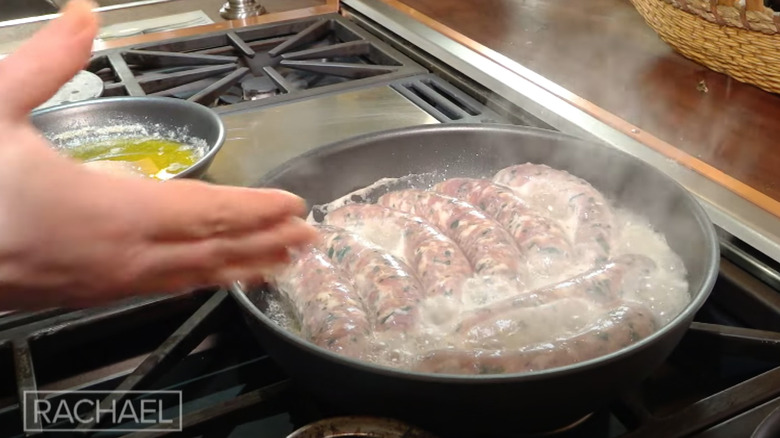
<point>286,88</point>
<point>283,89</point>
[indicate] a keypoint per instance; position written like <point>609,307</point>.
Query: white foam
<point>665,292</point>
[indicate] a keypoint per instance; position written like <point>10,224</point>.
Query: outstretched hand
<point>72,236</point>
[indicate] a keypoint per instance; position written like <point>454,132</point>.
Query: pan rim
<point>683,318</point>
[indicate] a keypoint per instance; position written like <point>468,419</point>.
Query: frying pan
<point>480,405</point>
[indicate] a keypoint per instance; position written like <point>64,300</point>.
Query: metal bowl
<point>170,117</point>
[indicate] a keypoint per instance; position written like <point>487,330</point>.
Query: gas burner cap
<point>230,99</point>
<point>348,427</point>
<point>258,87</point>
<point>84,86</point>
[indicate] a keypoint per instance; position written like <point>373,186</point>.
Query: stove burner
<point>83,86</point>
<point>231,99</point>
<point>560,430</point>
<point>279,60</point>
<point>770,427</point>
<point>353,427</point>
<point>255,88</point>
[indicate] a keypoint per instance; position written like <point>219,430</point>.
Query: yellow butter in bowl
<point>150,157</point>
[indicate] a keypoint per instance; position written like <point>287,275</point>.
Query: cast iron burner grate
<point>722,381</point>
<point>292,59</point>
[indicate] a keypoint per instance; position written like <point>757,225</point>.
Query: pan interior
<point>420,157</point>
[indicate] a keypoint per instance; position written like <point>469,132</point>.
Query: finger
<point>211,254</point>
<point>193,210</point>
<point>37,69</point>
<point>205,259</point>
<point>251,273</point>
<point>224,276</point>
<point>292,234</point>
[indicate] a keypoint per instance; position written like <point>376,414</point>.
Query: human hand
<point>72,236</point>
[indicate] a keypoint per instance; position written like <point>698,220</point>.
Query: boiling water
<point>664,292</point>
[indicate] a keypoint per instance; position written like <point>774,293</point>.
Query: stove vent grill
<point>443,101</point>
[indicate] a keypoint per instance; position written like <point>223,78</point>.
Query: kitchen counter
<point>614,66</point>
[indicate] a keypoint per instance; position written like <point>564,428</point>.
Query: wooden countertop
<point>603,52</point>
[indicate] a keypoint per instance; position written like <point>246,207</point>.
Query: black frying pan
<point>475,405</point>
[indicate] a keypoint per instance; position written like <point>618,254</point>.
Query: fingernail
<point>91,4</point>
<point>298,198</point>
<point>81,9</point>
<point>286,193</point>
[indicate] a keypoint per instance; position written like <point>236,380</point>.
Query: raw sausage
<point>620,327</point>
<point>541,239</point>
<point>522,326</point>
<point>388,287</point>
<point>567,196</point>
<point>489,247</point>
<point>604,286</point>
<point>325,302</point>
<point>439,263</point>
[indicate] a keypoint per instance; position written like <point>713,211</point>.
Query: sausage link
<point>439,263</point>
<point>325,302</point>
<point>575,199</point>
<point>603,286</point>
<point>388,287</point>
<point>541,239</point>
<point>622,326</point>
<point>489,247</point>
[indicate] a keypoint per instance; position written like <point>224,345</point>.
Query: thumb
<point>36,70</point>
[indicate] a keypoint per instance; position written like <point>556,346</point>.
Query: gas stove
<point>722,381</point>
<point>283,89</point>
<point>278,62</point>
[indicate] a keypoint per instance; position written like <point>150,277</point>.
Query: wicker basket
<point>738,38</point>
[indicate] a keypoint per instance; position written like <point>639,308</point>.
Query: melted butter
<point>153,157</point>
